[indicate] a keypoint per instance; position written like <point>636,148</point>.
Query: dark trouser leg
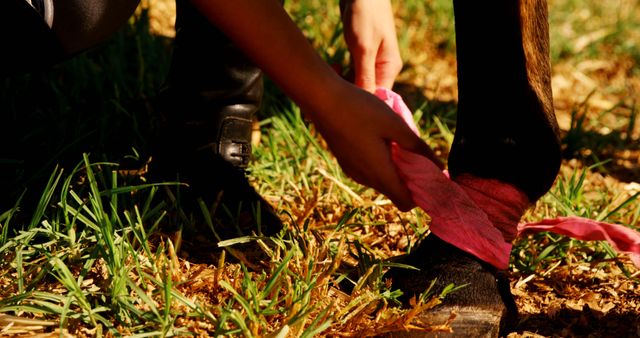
<point>506,131</point>
<point>27,41</point>
<point>506,125</point>
<point>212,92</point>
<point>81,24</point>
<point>36,37</point>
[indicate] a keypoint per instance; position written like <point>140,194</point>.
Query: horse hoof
<point>482,306</point>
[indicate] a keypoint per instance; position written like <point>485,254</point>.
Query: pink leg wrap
<point>481,216</point>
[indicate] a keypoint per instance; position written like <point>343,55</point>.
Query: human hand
<point>369,31</point>
<point>359,129</point>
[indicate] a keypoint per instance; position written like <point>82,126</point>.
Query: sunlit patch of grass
<point>577,192</point>
<point>585,29</point>
<point>80,259</point>
<point>425,23</point>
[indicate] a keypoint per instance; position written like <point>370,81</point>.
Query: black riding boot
<point>212,93</point>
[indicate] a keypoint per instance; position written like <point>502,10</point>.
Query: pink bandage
<point>481,216</point>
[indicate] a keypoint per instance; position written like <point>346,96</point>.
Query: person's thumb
<point>408,140</point>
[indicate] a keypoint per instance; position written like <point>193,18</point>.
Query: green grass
<point>569,198</point>
<point>591,29</point>
<point>85,247</point>
<point>88,258</point>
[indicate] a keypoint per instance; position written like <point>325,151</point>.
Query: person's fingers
<point>385,80</point>
<point>393,186</point>
<point>384,178</point>
<point>400,133</point>
<point>365,68</point>
<point>388,64</point>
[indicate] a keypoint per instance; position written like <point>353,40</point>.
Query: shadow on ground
<point>622,152</point>
<point>99,102</point>
<point>582,323</point>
